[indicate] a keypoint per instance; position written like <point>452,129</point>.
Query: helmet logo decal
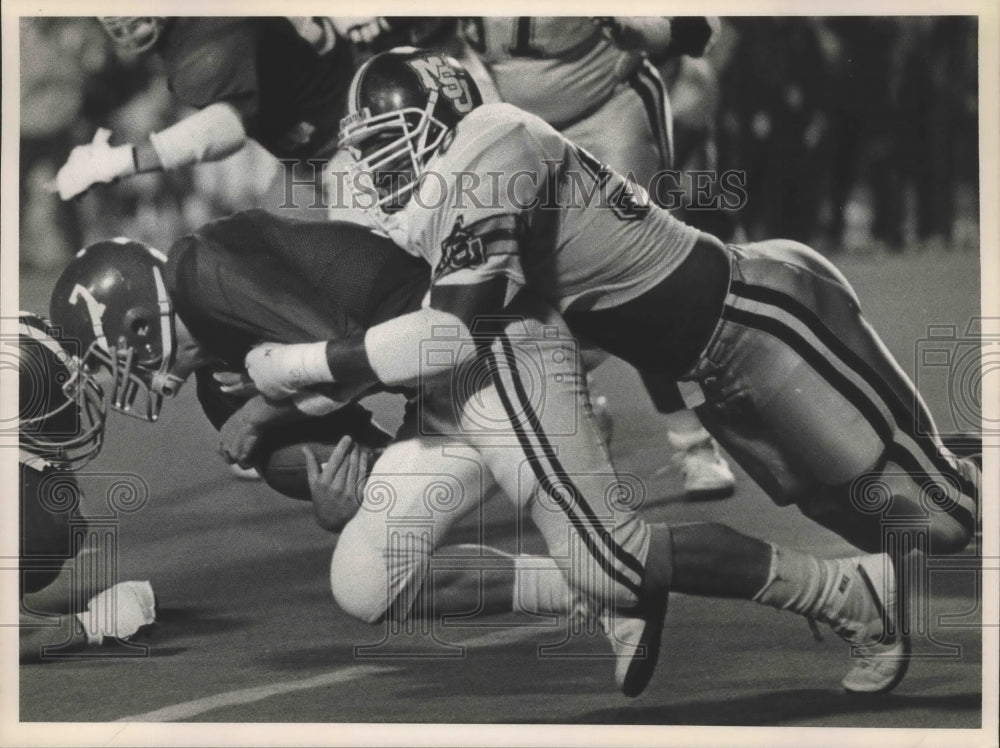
<point>436,74</point>
<point>94,308</point>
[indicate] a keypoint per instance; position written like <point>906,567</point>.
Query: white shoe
<point>866,618</point>
<point>706,474</point>
<point>635,640</point>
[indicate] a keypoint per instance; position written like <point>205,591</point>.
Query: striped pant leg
<point>804,394</point>
<point>530,419</point>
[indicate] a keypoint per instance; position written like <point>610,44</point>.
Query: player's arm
<point>478,271</point>
<point>209,134</point>
<point>388,354</point>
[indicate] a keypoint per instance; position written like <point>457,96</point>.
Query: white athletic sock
<point>801,583</point>
<point>540,587</point>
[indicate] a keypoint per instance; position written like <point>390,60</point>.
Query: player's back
<point>589,238</point>
<point>559,68</point>
<point>258,276</point>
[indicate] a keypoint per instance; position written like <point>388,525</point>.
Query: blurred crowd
<point>854,133</point>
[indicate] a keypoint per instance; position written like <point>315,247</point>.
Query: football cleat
<point>706,474</point>
<point>635,637</point>
<point>864,614</point>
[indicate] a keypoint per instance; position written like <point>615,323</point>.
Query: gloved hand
<point>119,611</point>
<point>92,163</point>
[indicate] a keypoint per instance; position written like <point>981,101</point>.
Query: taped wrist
<point>308,362</point>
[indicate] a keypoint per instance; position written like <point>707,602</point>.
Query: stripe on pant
<point>839,381</point>
<point>900,410</point>
<point>648,84</point>
<point>550,454</point>
<point>551,476</point>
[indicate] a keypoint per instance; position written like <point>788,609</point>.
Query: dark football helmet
<point>61,415</point>
<point>133,34</point>
<point>402,105</point>
<point>112,299</point>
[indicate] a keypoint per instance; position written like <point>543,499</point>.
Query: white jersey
<point>511,196</point>
<point>556,67</point>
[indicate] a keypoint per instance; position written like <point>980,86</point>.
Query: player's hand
<point>239,436</point>
<point>235,383</point>
<point>92,163</point>
<point>279,371</point>
<point>337,488</point>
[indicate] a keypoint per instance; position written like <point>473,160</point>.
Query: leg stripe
<point>547,485</point>
<point>839,381</point>
<point>648,84</point>
<point>560,472</point>
<point>899,409</point>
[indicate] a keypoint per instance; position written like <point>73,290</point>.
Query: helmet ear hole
<point>137,324</point>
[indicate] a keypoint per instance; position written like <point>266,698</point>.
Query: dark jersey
<point>256,276</point>
<point>50,518</point>
<point>291,97</point>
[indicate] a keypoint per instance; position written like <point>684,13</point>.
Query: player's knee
<point>950,535</point>
<point>354,594</point>
<point>355,577</point>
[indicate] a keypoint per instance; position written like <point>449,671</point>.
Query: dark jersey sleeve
<point>50,517</point>
<point>290,96</point>
<point>208,60</point>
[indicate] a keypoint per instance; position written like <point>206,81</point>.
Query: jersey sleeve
<point>213,60</point>
<point>498,181</point>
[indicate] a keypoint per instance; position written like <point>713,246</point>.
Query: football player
<point>65,604</point>
<point>281,81</point>
<point>592,79</point>
<point>796,384</point>
<point>234,282</point>
<point>151,322</point>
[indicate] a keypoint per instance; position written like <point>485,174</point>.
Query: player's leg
<point>522,405</point>
<point>555,466</point>
<point>392,558</point>
<point>803,394</point>
<point>799,385</point>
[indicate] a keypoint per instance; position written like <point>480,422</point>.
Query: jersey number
<point>626,202</point>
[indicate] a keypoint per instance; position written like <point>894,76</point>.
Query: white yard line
<point>189,709</point>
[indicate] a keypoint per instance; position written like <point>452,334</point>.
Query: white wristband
<point>310,358</point>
